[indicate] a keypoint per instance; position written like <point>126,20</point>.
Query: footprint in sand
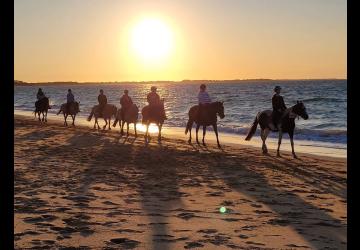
<point>125,243</point>
<point>186,216</point>
<point>208,231</point>
<point>193,245</point>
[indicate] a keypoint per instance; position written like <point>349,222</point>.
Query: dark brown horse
<point>72,111</point>
<point>153,115</point>
<point>208,118</point>
<point>41,107</point>
<point>131,116</point>
<point>108,111</point>
<point>287,124</point>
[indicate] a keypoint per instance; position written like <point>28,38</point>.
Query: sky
<point>94,41</point>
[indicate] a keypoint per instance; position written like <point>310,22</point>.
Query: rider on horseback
<point>125,102</point>
<point>154,102</point>
<point>40,98</point>
<point>278,107</point>
<point>102,102</point>
<point>40,94</point>
<point>70,100</point>
<point>204,99</point>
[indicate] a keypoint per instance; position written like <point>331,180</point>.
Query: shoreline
<point>301,146</point>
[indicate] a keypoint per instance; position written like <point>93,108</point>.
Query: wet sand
<point>78,187</point>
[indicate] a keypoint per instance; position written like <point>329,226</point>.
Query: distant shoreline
<point>22,83</point>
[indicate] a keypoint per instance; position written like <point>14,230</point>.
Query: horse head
<point>220,109</point>
<point>300,110</point>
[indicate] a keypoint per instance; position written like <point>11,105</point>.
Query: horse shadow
<point>291,209</point>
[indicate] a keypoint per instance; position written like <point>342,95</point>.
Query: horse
<point>108,111</point>
<point>73,110</point>
<point>131,116</point>
<point>153,115</point>
<point>41,107</point>
<point>208,118</point>
<point>287,124</point>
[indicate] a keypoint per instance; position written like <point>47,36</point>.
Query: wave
<point>327,99</point>
<point>337,135</point>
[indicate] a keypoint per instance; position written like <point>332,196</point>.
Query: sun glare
<point>151,40</point>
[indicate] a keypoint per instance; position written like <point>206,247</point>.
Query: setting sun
<point>151,40</point>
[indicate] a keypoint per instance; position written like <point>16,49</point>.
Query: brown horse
<point>108,111</point>
<point>153,115</point>
<point>287,122</point>
<point>131,116</point>
<point>208,118</point>
<point>73,110</point>
<point>41,107</point>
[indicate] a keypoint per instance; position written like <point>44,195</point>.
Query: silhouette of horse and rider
<point>281,119</point>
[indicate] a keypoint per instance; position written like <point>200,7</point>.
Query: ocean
<point>325,101</point>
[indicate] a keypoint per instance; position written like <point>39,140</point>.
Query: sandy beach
<point>78,188</point>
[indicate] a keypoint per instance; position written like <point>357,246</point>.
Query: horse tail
<point>191,120</point>
<point>252,129</point>
<point>60,111</point>
<point>189,125</point>
<point>91,115</point>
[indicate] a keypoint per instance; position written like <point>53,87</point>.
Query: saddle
<point>202,111</point>
<point>157,110</point>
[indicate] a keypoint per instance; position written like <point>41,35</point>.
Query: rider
<point>69,100</point>
<point>278,107</point>
<point>102,101</point>
<point>125,102</point>
<point>203,98</point>
<point>154,101</point>
<point>40,94</point>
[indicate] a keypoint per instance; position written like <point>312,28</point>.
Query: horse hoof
<point>295,156</point>
<point>189,141</point>
<point>219,146</point>
<point>278,155</point>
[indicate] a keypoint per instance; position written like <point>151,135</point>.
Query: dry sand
<point>86,189</point>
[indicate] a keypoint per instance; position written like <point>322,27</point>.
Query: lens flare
<point>222,210</point>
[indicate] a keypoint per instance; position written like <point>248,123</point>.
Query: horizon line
<point>184,80</point>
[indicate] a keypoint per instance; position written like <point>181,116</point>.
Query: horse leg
<point>197,130</point>
<point>204,132</point>
<point>216,133</point>
<point>279,143</point>
<point>291,135</point>
<point>135,129</point>
<point>97,123</point>
<point>46,116</point>
<point>264,135</point>
<point>159,127</point>
<point>189,141</point>
<point>122,127</point>
<point>65,117</point>
<point>109,123</point>
<point>147,131</point>
<point>115,122</point>
<point>105,124</point>
<point>127,129</point>
<point>73,117</point>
